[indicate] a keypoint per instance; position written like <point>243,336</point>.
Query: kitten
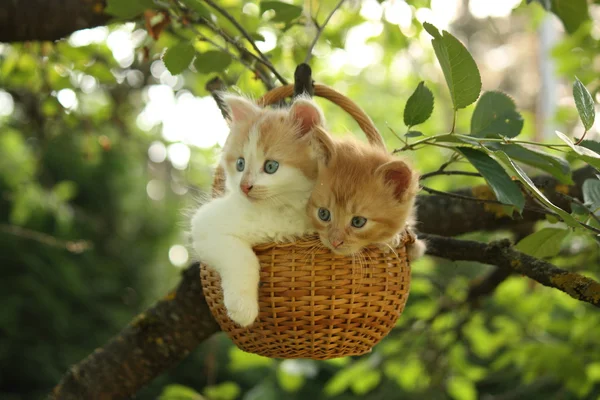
<point>271,168</point>
<point>363,196</point>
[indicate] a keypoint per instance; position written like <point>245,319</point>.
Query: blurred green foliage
<point>94,178</point>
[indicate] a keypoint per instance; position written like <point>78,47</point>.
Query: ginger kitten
<point>363,196</point>
<point>271,167</point>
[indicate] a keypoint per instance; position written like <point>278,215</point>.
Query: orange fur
<point>282,135</point>
<point>358,179</point>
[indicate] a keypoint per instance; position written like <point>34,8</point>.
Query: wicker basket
<point>314,303</point>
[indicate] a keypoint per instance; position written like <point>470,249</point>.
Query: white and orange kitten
<point>270,167</point>
<point>363,196</point>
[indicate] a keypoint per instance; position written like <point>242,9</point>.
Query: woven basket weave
<point>314,303</point>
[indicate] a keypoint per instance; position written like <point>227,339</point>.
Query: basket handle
<point>363,120</point>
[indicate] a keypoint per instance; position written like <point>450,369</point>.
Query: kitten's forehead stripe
<point>271,134</point>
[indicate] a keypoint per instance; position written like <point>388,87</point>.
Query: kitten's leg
<point>239,269</point>
<point>416,247</point>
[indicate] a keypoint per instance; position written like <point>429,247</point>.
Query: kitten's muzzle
<point>336,243</point>
<point>246,188</point>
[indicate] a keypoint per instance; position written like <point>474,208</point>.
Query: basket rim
<point>313,239</point>
<point>320,90</point>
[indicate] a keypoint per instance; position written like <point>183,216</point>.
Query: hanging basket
<point>314,303</point>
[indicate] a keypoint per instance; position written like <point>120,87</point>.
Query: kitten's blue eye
<point>271,166</point>
<point>240,164</point>
<point>324,214</point>
<point>359,222</point>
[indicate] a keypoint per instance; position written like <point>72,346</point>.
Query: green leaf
<point>65,190</point>
<point>460,388</point>
<point>222,391</point>
<point>366,382</point>
<point>257,37</point>
<point>584,103</point>
<point>179,392</point>
<point>555,166</point>
<point>178,57</point>
<point>212,61</point>
<point>127,9</point>
<point>572,13</point>
<point>242,361</point>
<point>284,12</point>
<point>591,194</point>
<point>496,115</point>
<point>460,70</point>
<point>411,134</point>
<point>543,243</point>
<point>592,145</point>
<point>581,152</point>
<point>545,3</point>
<point>197,6</point>
<point>345,378</point>
<point>506,191</point>
<point>289,382</point>
<point>419,106</point>
<point>579,210</point>
<point>531,188</point>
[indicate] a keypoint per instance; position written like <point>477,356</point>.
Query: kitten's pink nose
<point>337,243</point>
<point>246,188</point>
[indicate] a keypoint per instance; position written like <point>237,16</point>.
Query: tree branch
<point>442,215</point>
<point>246,35</point>
<point>502,254</point>
<point>152,343</point>
<point>320,31</point>
<point>40,20</point>
<point>74,246</point>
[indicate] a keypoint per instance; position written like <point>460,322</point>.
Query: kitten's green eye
<point>324,214</point>
<point>359,222</point>
<point>271,166</point>
<point>240,164</point>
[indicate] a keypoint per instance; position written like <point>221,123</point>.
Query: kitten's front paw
<point>243,310</point>
<point>416,250</point>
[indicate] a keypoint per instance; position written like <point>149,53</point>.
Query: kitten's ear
<point>307,113</point>
<point>239,108</point>
<point>401,177</point>
<point>323,144</point>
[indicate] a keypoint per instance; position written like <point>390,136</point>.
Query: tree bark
<point>153,342</point>
<point>447,216</point>
<point>502,254</point>
<point>39,20</point>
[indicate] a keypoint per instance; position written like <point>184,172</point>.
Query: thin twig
<point>258,72</point>
<point>436,173</point>
<point>581,138</point>
<point>484,201</point>
<point>77,246</point>
<point>268,82</point>
<point>453,122</point>
<point>245,33</point>
<point>320,31</point>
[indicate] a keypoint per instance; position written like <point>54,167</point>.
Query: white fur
<point>225,229</point>
<point>224,232</point>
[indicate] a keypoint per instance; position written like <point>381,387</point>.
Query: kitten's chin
<point>343,251</point>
